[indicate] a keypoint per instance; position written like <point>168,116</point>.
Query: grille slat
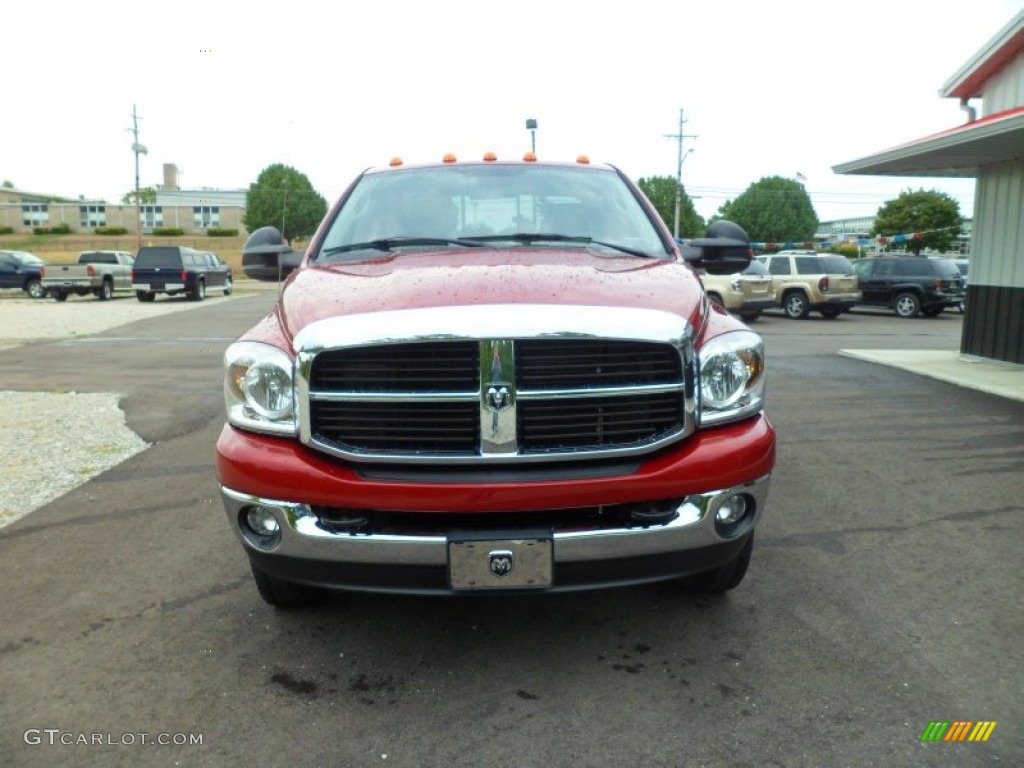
<point>426,367</point>
<point>594,362</point>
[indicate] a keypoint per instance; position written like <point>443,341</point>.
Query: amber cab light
<point>530,157</point>
<point>490,157</point>
<point>395,161</point>
<point>583,160</point>
<point>449,158</point>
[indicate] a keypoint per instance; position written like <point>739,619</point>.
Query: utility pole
<point>679,136</point>
<point>138,149</point>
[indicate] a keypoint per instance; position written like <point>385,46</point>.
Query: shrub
<point>60,229</point>
<point>221,232</point>
<point>849,251</point>
<point>6,230</point>
<point>110,231</point>
<point>168,231</point>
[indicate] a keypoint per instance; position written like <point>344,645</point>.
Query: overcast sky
<point>223,90</point>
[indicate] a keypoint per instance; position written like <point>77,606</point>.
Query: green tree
<point>661,191</point>
<point>147,196</point>
<point>774,210</point>
<point>284,198</point>
<point>8,184</point>
<point>934,214</point>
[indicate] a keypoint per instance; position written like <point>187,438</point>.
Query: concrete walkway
<point>991,376</point>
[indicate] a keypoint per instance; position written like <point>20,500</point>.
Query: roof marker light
<point>583,160</point>
<point>395,161</point>
<point>449,158</point>
<point>530,157</point>
<point>490,157</point>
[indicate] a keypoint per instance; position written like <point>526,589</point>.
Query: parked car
<point>909,284</point>
<point>496,376</point>
<point>806,281</point>
<point>745,293</point>
<point>100,273</point>
<point>22,270</point>
<point>174,269</point>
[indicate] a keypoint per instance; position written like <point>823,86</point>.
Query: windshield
<point>27,259</point>
<point>491,205</point>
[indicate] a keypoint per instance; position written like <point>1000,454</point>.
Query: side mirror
<point>266,256</point>
<point>725,250</point>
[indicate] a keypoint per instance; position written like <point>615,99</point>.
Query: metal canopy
<point>960,151</point>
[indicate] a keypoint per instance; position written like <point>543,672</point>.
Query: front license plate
<point>523,562</point>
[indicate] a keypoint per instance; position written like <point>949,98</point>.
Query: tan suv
<point>806,280</point>
<point>745,293</point>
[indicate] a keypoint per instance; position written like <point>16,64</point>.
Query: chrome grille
<point>534,399</point>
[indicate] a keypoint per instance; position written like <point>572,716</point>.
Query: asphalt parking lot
<point>884,594</point>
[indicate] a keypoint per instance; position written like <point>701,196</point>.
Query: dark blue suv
<point>174,269</point>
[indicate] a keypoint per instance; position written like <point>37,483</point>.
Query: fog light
<point>262,522</point>
<point>732,510</point>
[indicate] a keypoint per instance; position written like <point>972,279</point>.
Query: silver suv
<point>803,281</point>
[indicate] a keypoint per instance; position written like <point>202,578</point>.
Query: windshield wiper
<point>547,237</point>
<point>389,243</point>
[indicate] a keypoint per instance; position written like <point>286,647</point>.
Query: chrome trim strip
<point>302,538</point>
<point>494,323</point>
<point>562,394</point>
<point>396,397</point>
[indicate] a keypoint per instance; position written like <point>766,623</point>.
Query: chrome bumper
<point>304,542</point>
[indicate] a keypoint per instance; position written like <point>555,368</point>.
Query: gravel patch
<point>39,465</point>
<point>26,320</point>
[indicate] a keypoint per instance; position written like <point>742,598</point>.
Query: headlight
<point>258,388</point>
<point>732,377</point>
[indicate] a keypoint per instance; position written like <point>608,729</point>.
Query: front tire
<point>228,287</point>
<point>795,306</point>
<point>749,317</point>
<point>35,289</point>
<point>60,296</point>
<point>831,313</point>
<point>285,594</point>
<point>727,576</point>
<point>145,296</point>
<point>932,311</point>
<point>907,305</point>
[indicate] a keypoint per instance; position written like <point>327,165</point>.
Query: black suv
<point>910,285</point>
<point>175,269</point>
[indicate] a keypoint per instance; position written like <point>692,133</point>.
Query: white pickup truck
<point>97,272</point>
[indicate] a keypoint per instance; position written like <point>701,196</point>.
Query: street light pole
<point>679,136</point>
<point>138,149</point>
<point>531,126</point>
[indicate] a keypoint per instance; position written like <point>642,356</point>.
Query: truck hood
<point>419,280</point>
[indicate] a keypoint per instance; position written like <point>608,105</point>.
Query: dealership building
<point>990,148</point>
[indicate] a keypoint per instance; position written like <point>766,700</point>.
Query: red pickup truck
<point>496,376</point>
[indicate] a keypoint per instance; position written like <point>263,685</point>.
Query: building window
<point>35,215</point>
<point>93,215</point>
<point>206,216</point>
<point>151,216</point>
